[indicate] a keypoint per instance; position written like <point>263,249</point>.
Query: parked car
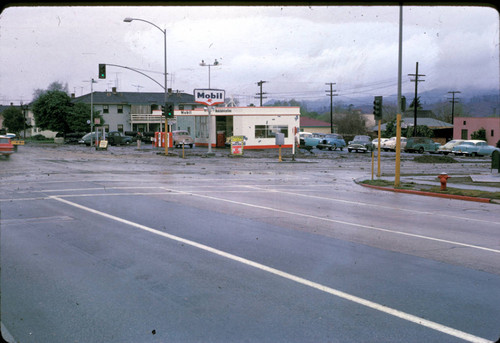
<point>86,139</point>
<point>375,142</point>
<point>117,138</point>
<point>303,136</point>
<point>332,141</point>
<point>421,145</point>
<point>360,143</point>
<point>390,144</point>
<point>182,137</point>
<point>474,148</point>
<point>314,139</point>
<point>447,148</point>
<point>6,147</point>
<point>113,138</point>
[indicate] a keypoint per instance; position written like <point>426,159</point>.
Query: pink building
<point>465,126</point>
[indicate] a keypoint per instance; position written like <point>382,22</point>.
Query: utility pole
<point>260,94</point>
<point>331,95</point>
<point>416,80</point>
<point>453,101</point>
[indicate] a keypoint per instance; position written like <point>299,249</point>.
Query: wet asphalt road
<point>131,246</point>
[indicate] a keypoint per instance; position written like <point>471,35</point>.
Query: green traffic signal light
<point>102,71</point>
<point>170,110</point>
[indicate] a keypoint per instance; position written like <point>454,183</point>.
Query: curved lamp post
<point>128,20</point>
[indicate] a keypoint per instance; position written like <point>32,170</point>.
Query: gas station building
<point>258,125</point>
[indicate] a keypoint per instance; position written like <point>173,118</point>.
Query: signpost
<point>209,97</point>
<point>237,143</point>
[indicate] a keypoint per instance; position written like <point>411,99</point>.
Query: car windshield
<point>4,140</point>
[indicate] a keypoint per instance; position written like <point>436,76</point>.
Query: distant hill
<point>476,103</point>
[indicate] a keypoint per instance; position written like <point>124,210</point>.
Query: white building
<point>257,124</point>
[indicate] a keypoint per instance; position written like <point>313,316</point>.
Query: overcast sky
<point>297,50</point>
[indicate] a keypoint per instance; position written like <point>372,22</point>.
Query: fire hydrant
<point>443,177</point>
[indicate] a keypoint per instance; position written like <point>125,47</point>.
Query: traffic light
<point>377,108</point>
<point>169,110</point>
<point>102,71</point>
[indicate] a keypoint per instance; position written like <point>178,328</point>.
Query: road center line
<point>341,222</point>
<point>367,303</point>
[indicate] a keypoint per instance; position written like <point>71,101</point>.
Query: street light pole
<point>203,64</point>
<point>164,31</point>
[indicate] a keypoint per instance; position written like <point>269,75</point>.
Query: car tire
<point>421,150</point>
<point>350,150</point>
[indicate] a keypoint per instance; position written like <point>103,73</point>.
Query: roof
<point>134,98</point>
<point>311,122</point>
<point>429,122</point>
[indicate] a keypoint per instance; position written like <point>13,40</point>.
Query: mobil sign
<point>209,97</point>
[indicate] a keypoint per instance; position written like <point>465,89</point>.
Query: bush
<point>38,137</point>
<point>498,144</point>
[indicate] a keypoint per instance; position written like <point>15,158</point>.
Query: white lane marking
<point>178,192</point>
<point>344,222</point>
<point>376,205</point>
<point>361,301</point>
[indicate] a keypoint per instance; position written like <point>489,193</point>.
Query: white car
<point>448,147</point>
<point>375,142</point>
<point>390,144</point>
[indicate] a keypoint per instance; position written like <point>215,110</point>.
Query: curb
<point>437,195</point>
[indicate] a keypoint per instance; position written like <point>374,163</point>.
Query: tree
<point>14,120</point>
<point>419,105</point>
<point>53,110</point>
<point>422,131</point>
<point>479,134</point>
<point>390,128</point>
<point>54,86</point>
<point>352,123</point>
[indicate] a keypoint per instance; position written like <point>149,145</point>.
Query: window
<point>120,108</point>
<point>105,109</point>
<point>492,133</point>
<point>269,131</point>
<point>120,128</point>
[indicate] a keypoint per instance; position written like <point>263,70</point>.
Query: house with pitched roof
<point>134,111</point>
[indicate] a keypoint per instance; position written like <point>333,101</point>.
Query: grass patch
<point>386,183</point>
<point>434,159</point>
<point>466,192</point>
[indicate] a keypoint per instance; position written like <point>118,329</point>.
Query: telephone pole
<point>416,80</point>
<point>453,101</point>
<point>260,94</point>
<point>331,95</point>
